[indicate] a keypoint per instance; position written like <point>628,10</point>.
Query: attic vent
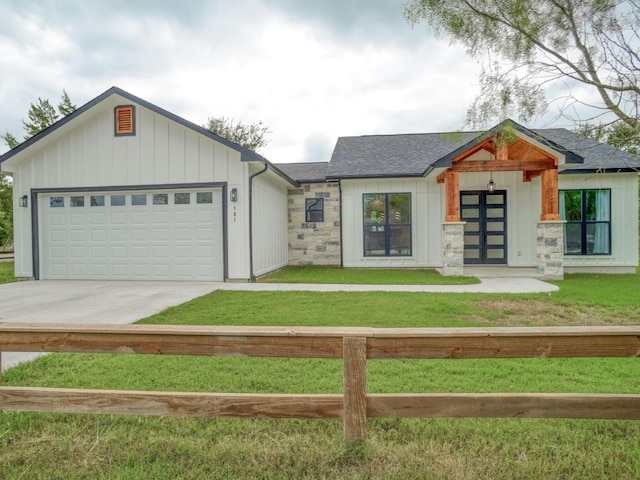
<point>125,120</point>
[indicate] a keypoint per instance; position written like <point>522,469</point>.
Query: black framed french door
<point>485,231</point>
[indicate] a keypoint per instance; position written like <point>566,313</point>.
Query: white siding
<point>270,226</point>
<point>624,226</point>
<point>426,219</point>
<point>85,153</point>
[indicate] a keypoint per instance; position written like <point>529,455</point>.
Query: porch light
<point>234,195</point>
<point>24,201</point>
<point>491,186</point>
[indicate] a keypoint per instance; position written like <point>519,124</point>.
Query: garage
<point>160,234</point>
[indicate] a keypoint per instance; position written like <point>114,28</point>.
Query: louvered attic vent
<point>125,120</point>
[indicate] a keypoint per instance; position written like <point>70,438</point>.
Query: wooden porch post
<point>452,186</point>
<point>550,210</point>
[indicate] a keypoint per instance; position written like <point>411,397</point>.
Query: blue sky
<point>311,71</point>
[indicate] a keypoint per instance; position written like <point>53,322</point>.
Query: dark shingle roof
<point>598,157</point>
<point>310,172</point>
<point>392,155</point>
<point>413,155</point>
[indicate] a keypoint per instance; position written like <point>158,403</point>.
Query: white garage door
<point>142,235</point>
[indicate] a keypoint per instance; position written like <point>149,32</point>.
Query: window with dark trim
<point>588,217</point>
<point>314,210</point>
<point>125,120</point>
<point>387,224</point>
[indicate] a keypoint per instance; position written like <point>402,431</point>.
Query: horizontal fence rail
<point>354,345</point>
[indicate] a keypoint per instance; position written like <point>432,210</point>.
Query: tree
<point>41,115</point>
<point>619,135</point>
<point>6,211</point>
<point>546,43</point>
<point>251,136</point>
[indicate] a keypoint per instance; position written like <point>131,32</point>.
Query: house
<point>511,196</point>
<point>122,189</point>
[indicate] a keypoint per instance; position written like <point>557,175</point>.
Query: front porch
<point>467,240</point>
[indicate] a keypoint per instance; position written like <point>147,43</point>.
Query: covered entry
<point>475,222</point>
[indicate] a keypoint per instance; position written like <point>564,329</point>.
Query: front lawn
<point>367,276</point>
<point>92,446</point>
<point>7,272</point>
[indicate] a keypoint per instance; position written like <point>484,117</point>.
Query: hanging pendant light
<point>491,186</point>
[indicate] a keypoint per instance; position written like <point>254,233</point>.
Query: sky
<point>309,70</point>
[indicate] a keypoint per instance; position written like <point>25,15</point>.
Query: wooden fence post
<point>355,388</point>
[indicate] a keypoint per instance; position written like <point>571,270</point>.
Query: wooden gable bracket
<point>528,158</point>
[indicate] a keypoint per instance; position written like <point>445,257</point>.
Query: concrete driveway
<point>68,301</point>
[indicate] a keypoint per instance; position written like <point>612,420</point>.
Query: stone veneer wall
<point>314,243</point>
<point>453,248</point>
<point>550,249</point>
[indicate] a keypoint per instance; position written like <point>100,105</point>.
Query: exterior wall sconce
<point>234,195</point>
<point>24,201</point>
<point>491,186</point>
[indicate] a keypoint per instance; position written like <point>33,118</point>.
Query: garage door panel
<point>93,237</point>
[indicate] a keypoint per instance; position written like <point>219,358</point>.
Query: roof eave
<point>246,155</point>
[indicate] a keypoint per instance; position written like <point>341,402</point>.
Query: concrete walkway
<point>123,302</point>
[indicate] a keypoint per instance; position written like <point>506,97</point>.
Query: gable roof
<point>309,172</point>
<point>415,155</point>
<point>246,155</point>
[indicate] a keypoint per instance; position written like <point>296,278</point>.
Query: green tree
<point>529,45</point>
<point>6,211</point>
<point>252,136</point>
<point>41,115</point>
<point>619,135</point>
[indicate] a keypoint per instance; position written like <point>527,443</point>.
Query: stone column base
<point>453,248</point>
<point>550,249</point>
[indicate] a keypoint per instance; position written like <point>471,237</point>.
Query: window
<point>77,201</point>
<point>314,210</point>
<point>204,197</point>
<point>161,199</point>
<point>117,200</point>
<point>182,199</point>
<point>56,202</point>
<point>387,224</point>
<point>124,119</point>
<point>139,199</point>
<point>97,200</point>
<point>588,217</point>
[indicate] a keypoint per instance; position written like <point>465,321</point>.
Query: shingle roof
<point>392,155</point>
<point>598,157</point>
<point>410,155</point>
<point>310,172</point>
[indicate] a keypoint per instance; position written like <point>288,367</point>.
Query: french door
<point>485,231</point>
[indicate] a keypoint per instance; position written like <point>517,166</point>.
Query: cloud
<point>310,71</point>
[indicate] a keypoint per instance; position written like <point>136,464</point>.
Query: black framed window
<point>314,210</point>
<point>387,224</point>
<point>588,217</point>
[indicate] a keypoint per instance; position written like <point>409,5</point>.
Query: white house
<point>122,189</point>
<point>547,198</point>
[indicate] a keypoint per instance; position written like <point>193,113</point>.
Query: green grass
<point>6,272</point>
<point>92,446</point>
<point>375,276</point>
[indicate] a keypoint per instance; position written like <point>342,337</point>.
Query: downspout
<point>341,243</point>
<point>252,277</point>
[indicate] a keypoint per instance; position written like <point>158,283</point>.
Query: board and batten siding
<point>270,232</point>
<point>85,153</point>
<point>426,221</point>
<point>624,212</point>
<point>523,214</point>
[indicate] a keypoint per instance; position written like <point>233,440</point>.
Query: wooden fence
<point>353,345</point>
